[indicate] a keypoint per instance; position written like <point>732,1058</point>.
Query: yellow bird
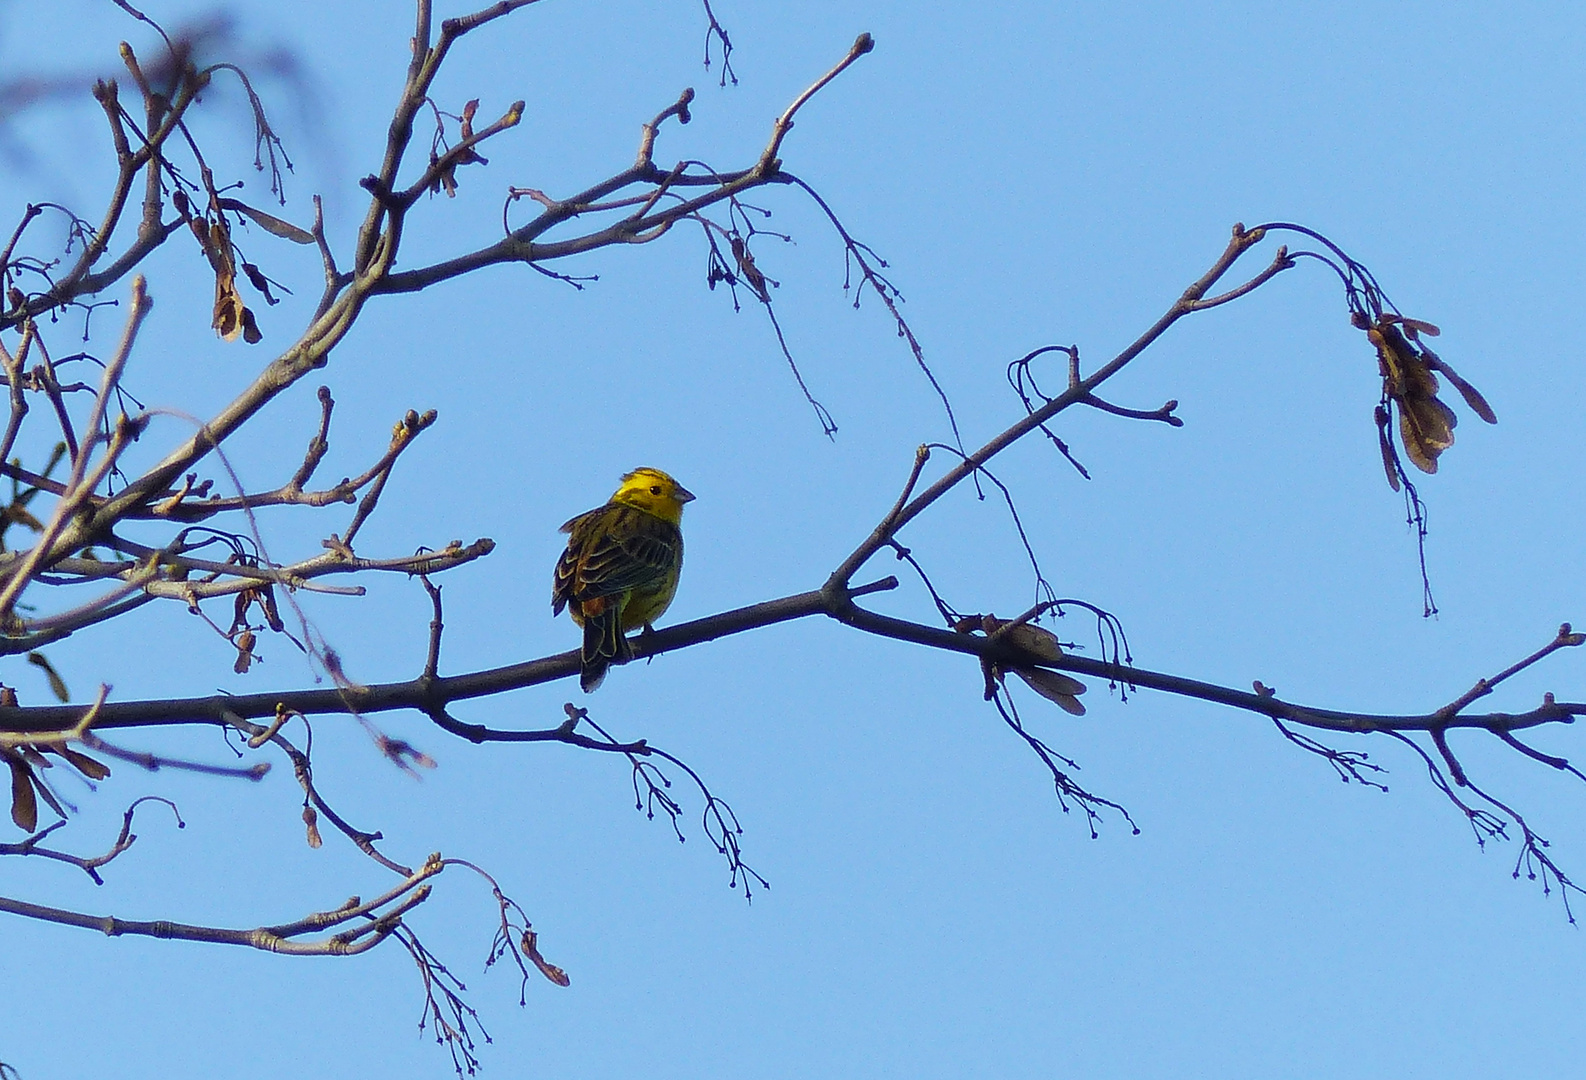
<point>621,566</point>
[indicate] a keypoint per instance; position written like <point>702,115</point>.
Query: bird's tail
<point>604,644</point>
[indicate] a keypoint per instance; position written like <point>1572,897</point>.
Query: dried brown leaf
<point>1472,396</point>
<point>272,614</point>
<point>201,231</point>
<point>260,283</point>
<point>751,273</point>
<point>1034,640</point>
<point>1426,425</point>
<point>270,223</point>
<point>244,642</point>
<point>1385,444</point>
<point>89,767</point>
<point>239,609</point>
<point>1055,687</point>
<point>24,806</point>
<point>229,307</point>
<point>57,684</point>
<point>217,246</point>
<point>531,949</point>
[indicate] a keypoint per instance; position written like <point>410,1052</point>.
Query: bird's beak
<point>683,494</point>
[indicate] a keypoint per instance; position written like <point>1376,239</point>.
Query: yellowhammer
<point>621,565</point>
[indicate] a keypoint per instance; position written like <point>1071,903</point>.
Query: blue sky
<point>1034,174</point>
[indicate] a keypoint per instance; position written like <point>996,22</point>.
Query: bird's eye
<point>655,490</point>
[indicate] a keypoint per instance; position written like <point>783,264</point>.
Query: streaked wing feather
<point>632,554</point>
<point>564,582</point>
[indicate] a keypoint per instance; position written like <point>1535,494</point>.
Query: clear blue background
<point>1034,174</point>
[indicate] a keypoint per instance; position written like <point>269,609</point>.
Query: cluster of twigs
<point>214,551</point>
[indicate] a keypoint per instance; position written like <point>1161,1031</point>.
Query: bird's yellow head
<point>654,492</point>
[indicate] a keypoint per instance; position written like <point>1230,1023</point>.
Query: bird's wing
<point>565,581</point>
<point>629,549</point>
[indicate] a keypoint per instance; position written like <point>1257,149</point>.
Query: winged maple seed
<point>1426,424</point>
<point>244,642</point>
<point>446,178</point>
<point>1062,690</point>
<point>24,763</point>
<point>531,948</point>
<point>232,317</point>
